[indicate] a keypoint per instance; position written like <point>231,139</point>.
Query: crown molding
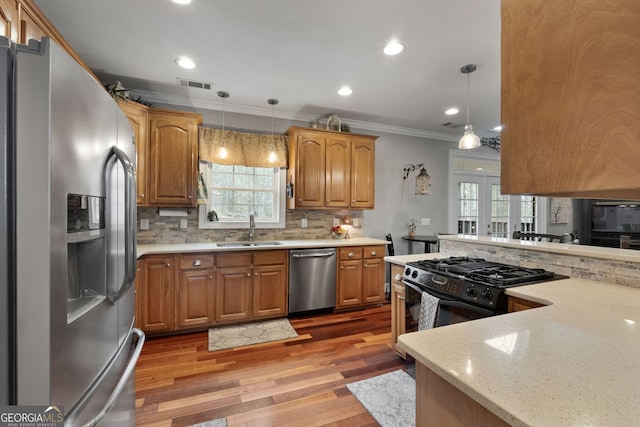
<point>206,104</point>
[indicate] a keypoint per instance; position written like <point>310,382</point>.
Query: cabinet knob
<point>341,267</point>
<point>398,277</point>
<point>210,277</point>
<point>351,255</point>
<point>374,253</point>
<point>255,274</point>
<point>189,195</point>
<point>141,195</point>
<point>300,200</point>
<point>365,266</point>
<point>400,297</point>
<point>327,200</point>
<point>168,265</point>
<point>353,201</point>
<point>248,274</point>
<point>197,263</point>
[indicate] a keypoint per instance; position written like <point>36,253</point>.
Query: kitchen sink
<point>246,244</point>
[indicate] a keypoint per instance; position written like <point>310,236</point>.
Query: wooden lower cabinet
<point>233,287</point>
<point>195,293</point>
<point>519,304</point>
<point>398,308</point>
<point>442,404</point>
<point>270,283</point>
<point>156,293</point>
<point>360,276</point>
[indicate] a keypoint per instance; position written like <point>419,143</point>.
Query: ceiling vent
<point>195,84</point>
<point>452,125</point>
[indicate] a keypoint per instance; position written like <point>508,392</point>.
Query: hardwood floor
<point>300,382</point>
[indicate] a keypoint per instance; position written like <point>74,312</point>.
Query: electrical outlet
<point>356,222</point>
<point>303,223</point>
<point>336,221</point>
<point>144,224</point>
<point>425,221</point>
<point>183,222</point>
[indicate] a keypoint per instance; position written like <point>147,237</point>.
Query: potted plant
<point>411,225</point>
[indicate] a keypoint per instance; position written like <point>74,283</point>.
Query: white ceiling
<point>300,52</point>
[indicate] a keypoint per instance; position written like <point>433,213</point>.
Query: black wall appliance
<point>609,222</point>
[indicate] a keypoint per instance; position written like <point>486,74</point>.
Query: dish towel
<point>428,311</point>
<point>202,194</point>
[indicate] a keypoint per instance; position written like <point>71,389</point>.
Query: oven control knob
<point>414,274</point>
<point>407,271</point>
<point>486,295</point>
<point>472,291</point>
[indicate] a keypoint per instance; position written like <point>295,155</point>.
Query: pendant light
<point>272,156</point>
<point>469,139</point>
<point>223,153</point>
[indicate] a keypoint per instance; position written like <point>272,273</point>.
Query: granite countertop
<point>281,244</point>
<point>571,363</point>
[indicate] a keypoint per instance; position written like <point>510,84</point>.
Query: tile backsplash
<point>166,229</point>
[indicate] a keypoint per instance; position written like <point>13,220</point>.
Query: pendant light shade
<point>469,139</point>
<point>272,154</point>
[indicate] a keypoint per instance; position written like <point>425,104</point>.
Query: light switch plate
<point>183,223</point>
<point>425,221</point>
<point>144,224</point>
<point>336,221</point>
<point>303,223</point>
<point>356,222</point>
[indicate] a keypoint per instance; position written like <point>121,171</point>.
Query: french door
<point>480,209</point>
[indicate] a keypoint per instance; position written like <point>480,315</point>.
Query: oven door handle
<point>451,302</point>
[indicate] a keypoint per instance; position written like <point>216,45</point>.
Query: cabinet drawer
<point>234,259</point>
<point>270,257</point>
<point>191,261</point>
<point>350,253</point>
<point>373,251</point>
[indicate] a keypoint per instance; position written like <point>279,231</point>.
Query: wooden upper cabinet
<point>310,189</point>
<point>338,173</point>
<point>570,98</point>
<point>29,27</point>
<point>331,169</point>
<point>139,121</point>
<point>9,19</point>
<point>173,156</point>
<point>363,173</point>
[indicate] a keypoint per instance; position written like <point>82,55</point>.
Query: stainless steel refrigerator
<point>67,240</point>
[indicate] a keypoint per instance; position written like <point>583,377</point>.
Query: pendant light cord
<point>468,99</point>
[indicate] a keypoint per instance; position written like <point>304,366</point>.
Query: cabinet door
<point>156,297</point>
<point>269,290</point>
<point>233,293</point>
<point>363,181</point>
<point>575,136</point>
<point>28,29</point>
<point>172,165</point>
<point>138,119</point>
<point>398,308</point>
<point>373,280</point>
<point>196,298</point>
<point>9,19</point>
<point>349,292</point>
<point>338,172</point>
<point>310,171</point>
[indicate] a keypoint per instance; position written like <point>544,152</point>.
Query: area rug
<point>390,398</point>
<point>250,333</point>
<point>220,422</point>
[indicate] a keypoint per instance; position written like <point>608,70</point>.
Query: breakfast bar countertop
<point>573,362</point>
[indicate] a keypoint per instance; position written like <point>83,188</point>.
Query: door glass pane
<point>468,205</point>
<point>499,212</point>
<point>527,214</point>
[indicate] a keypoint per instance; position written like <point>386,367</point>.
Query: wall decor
<point>333,123</point>
<point>559,210</point>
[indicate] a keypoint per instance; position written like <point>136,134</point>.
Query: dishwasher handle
<point>314,255</point>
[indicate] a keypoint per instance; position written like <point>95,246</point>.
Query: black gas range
<point>473,280</point>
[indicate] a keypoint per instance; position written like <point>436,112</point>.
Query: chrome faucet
<point>252,225</point>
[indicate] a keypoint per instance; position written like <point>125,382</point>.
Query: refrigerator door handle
<point>130,256</point>
<point>111,401</point>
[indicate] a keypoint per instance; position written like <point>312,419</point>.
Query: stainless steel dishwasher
<point>312,279</point>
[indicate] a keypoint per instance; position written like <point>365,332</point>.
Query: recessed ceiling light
<point>185,62</point>
<point>345,91</point>
<point>393,48</point>
<point>497,128</point>
<point>451,111</point>
<point>181,1</point>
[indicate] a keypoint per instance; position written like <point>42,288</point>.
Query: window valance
<point>240,148</point>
